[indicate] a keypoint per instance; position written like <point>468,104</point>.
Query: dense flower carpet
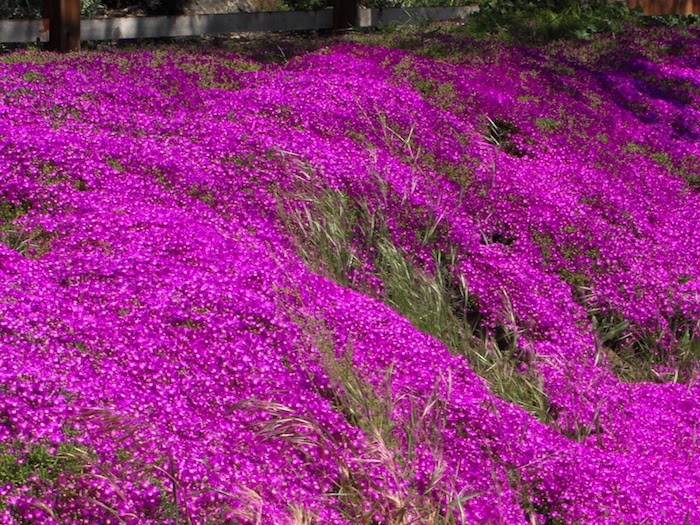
<point>174,347</point>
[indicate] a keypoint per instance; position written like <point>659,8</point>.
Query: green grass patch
<point>29,243</point>
<point>639,355</point>
<point>18,465</point>
<point>391,454</point>
<point>334,235</point>
<point>547,124</point>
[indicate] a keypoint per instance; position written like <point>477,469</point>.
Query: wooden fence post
<point>64,24</point>
<point>346,14</point>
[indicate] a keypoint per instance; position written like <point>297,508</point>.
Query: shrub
<point>530,21</point>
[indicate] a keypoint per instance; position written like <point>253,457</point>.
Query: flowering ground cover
<point>455,282</point>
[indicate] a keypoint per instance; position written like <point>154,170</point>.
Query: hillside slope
<point>364,286</point>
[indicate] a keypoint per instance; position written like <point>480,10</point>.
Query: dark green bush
<point>547,20</point>
<point>690,20</point>
<point>20,8</point>
<point>33,8</point>
<point>306,5</point>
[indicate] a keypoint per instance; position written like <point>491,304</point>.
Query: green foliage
<point>547,124</point>
<point>18,464</point>
<point>545,21</point>
<point>91,8</point>
<point>641,355</point>
<point>383,4</point>
<point>148,7</point>
<point>30,243</point>
<point>20,9</point>
<point>10,211</point>
<point>688,20</point>
<point>333,234</point>
<point>33,8</point>
<point>306,5</point>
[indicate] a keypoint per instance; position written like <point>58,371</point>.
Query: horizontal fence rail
<point>23,31</point>
<point>197,25</point>
<point>12,31</point>
<point>398,15</point>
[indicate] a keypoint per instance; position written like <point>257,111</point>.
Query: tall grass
<point>377,482</point>
<point>347,239</point>
<point>636,355</point>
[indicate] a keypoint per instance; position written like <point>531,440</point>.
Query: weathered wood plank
<point>410,15</point>
<point>12,31</point>
<point>196,25</point>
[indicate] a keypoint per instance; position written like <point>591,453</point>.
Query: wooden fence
<point>18,31</point>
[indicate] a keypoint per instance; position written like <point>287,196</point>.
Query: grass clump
<point>377,482</point>
<point>30,243</point>
<point>670,355</point>
<point>347,239</point>
<point>32,469</point>
<point>332,230</point>
<point>18,465</point>
<point>501,134</point>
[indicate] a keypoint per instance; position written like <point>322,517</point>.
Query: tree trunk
<point>64,24</point>
<point>345,14</point>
